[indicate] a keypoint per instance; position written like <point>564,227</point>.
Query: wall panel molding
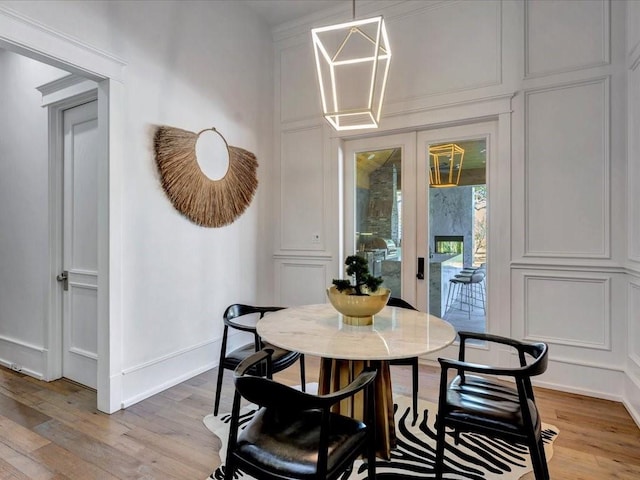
<point>634,57</point>
<point>300,281</point>
<point>303,256</point>
<point>548,300</point>
<point>610,268</point>
<point>468,66</point>
<point>542,55</point>
<point>297,74</point>
<point>633,159</point>
<point>597,381</point>
<point>302,190</point>
<point>633,295</point>
<point>567,170</point>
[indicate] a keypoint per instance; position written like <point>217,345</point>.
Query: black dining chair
<point>281,358</point>
<point>294,435</point>
<point>412,361</point>
<point>476,400</point>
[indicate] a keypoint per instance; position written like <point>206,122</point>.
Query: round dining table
<point>345,350</point>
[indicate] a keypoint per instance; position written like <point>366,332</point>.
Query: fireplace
<point>449,244</point>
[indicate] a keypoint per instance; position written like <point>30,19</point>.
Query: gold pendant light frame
<point>445,165</point>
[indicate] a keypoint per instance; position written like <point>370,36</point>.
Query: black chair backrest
<point>238,310</point>
<point>537,351</point>
<point>273,395</point>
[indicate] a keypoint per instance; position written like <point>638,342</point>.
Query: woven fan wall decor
<point>206,202</point>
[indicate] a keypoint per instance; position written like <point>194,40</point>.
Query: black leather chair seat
<point>290,445</point>
<point>230,360</point>
<point>281,358</point>
<point>295,435</point>
<point>478,401</point>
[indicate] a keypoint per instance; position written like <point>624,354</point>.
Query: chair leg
<point>371,460</point>
<point>447,305</point>
<point>470,299</point>
<point>371,466</point>
<point>414,368</point>
<point>440,440</point>
<point>484,309</point>
<point>539,460</point>
<point>303,378</point>
<point>229,470</point>
<point>223,352</point>
<point>216,403</point>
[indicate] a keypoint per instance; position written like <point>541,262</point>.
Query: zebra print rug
<point>474,458</point>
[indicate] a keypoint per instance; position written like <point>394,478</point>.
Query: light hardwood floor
<point>53,430</point>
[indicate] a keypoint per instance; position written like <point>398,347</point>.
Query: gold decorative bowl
<point>358,309</point>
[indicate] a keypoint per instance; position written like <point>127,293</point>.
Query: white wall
<point>192,65</point>
<point>24,212</point>
<point>561,66</point>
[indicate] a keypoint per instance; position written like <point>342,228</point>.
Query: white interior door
<point>80,244</point>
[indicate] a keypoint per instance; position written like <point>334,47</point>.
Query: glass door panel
<point>378,235</point>
<point>455,208</point>
<point>375,186</point>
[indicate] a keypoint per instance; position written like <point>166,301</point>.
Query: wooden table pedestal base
<point>336,374</point>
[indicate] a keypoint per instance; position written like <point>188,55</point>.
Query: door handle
<point>64,278</point>
<point>420,274</point>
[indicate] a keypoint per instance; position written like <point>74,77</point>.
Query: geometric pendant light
<point>352,62</point>
<point>445,165</point>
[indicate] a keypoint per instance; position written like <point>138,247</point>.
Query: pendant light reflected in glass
<point>445,165</point>
<point>352,62</point>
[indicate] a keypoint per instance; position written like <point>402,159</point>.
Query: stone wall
<point>451,213</point>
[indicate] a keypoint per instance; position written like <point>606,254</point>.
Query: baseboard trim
<point>631,398</point>
<point>147,379</point>
<point>169,356</point>
<point>586,392</point>
<point>160,388</point>
<point>23,357</point>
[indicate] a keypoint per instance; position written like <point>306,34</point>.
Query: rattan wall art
<point>207,202</point>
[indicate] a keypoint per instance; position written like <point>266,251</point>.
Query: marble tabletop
<point>319,330</point>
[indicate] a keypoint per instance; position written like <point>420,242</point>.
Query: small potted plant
<point>361,300</point>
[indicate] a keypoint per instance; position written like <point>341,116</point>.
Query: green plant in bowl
<point>358,302</point>
<point>364,282</point>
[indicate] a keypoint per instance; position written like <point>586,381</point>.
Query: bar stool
<point>466,290</point>
<point>467,272</point>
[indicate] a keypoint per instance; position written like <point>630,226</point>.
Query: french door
<point>418,231</point>
<point>380,208</point>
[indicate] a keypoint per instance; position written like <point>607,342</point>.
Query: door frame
<point>32,39</point>
<point>498,121</point>
<point>56,219</point>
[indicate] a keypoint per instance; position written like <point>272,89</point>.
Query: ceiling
<point>277,12</point>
